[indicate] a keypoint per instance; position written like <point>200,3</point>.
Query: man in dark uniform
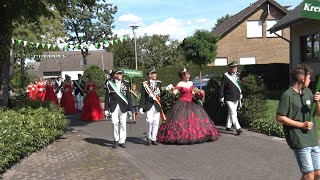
<point>230,93</point>
<point>118,102</point>
<point>149,102</point>
<point>78,86</point>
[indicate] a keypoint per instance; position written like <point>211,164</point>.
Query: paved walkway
<point>87,154</point>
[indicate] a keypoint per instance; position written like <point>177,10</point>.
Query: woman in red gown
<point>34,90</point>
<point>50,95</point>
<point>41,89</point>
<point>91,109</point>
<point>67,99</point>
<point>29,90</point>
<point>187,121</point>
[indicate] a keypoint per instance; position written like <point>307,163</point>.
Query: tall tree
<point>19,11</point>
<point>154,50</point>
<point>89,23</point>
<point>200,48</point>
<point>47,30</point>
<point>222,19</point>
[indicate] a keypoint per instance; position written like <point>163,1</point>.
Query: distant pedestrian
<point>135,103</point>
<point>231,94</point>
<point>78,86</point>
<point>293,112</point>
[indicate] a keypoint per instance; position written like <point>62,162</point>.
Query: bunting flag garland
<point>65,46</point>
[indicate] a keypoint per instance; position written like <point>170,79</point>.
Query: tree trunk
<point>5,43</point>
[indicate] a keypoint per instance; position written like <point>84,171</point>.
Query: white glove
<point>106,113</point>
<point>141,110</point>
<point>169,87</point>
<point>241,96</point>
<point>222,100</point>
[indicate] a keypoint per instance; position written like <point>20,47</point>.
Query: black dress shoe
<point>148,143</point>
<point>115,145</point>
<point>123,145</point>
<point>239,131</point>
<point>155,143</point>
<point>228,129</point>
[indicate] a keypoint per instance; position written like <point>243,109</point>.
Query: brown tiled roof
<point>223,28</point>
<point>73,61</point>
<point>292,17</point>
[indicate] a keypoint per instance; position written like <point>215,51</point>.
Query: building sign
<point>132,73</point>
<point>310,9</point>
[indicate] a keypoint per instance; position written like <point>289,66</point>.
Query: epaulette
<point>144,81</point>
<point>125,80</point>
<point>158,81</point>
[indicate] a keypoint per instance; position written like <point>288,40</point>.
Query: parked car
<point>204,80</point>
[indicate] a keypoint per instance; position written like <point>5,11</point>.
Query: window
<point>310,47</point>
<point>221,61</point>
<point>271,23</point>
<point>248,60</point>
<point>254,29</point>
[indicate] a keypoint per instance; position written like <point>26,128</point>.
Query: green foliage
<point>200,48</point>
<point>88,22</point>
<point>98,77</point>
<point>268,126</point>
<point>168,100</point>
<point>254,100</point>
<point>154,50</point>
<point>24,130</point>
<point>212,105</point>
<point>20,80</point>
<point>222,19</point>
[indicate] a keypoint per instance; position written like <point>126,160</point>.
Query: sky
<point>177,18</point>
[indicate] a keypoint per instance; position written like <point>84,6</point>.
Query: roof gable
<point>222,29</point>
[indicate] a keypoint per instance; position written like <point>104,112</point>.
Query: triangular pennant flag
<point>65,46</point>
<point>49,45</point>
<point>111,42</point>
<point>12,41</point>
<point>126,38</point>
<point>31,44</point>
<point>116,40</point>
<point>54,46</point>
<point>97,44</point>
<point>87,46</point>
<point>81,46</point>
<point>25,43</point>
<point>19,41</point>
<point>37,45</point>
<point>121,40</point>
<point>43,45</point>
<point>76,46</point>
<point>106,43</point>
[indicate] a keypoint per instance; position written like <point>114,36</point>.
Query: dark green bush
<point>254,104</point>
<point>212,105</point>
<point>98,77</point>
<point>24,130</point>
<point>267,126</point>
<point>168,100</point>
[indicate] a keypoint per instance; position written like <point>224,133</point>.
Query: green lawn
<point>272,108</point>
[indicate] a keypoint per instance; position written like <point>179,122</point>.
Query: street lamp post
<point>134,27</point>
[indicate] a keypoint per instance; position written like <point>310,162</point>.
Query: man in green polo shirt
<point>293,111</point>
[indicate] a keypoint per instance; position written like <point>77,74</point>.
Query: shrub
<point>24,130</point>
<point>268,126</point>
<point>212,105</point>
<point>254,104</point>
<point>98,77</point>
<point>168,100</point>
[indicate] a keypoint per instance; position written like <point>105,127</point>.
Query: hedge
<point>24,130</point>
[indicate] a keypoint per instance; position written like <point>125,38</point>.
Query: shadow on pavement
<point>101,142</point>
<point>136,140</point>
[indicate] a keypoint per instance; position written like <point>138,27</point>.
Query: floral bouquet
<point>199,95</point>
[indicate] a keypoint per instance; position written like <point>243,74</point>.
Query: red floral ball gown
<point>91,109</point>
<point>50,95</point>
<point>67,99</point>
<point>34,92</point>
<point>187,122</point>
